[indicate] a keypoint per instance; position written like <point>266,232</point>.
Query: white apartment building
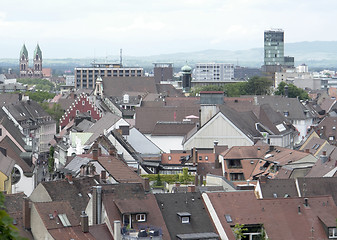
<point>213,73</point>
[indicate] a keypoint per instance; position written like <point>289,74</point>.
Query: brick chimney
<point>95,154</point>
<point>26,213</point>
<point>69,176</point>
<point>103,175</point>
<point>191,188</point>
<point>195,156</point>
<point>147,185</point>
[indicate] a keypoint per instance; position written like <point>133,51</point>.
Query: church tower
<point>23,62</point>
<point>37,62</point>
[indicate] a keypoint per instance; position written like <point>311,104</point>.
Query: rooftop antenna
<point>121,57</point>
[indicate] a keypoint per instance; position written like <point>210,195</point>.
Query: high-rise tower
<point>274,47</point>
<point>25,70</point>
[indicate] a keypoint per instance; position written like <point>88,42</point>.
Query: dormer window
<point>286,114</point>
<point>332,232</point>
<point>141,217</point>
<point>184,217</point>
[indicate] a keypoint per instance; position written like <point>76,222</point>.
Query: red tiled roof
<point>100,231</point>
<point>279,216</point>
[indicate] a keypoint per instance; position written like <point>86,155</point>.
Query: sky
<point>100,28</point>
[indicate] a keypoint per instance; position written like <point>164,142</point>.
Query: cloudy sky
<point>83,28</point>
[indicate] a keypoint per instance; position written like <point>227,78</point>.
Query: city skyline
<point>79,29</point>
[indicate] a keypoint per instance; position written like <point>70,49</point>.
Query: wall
<point>167,143</point>
<point>26,184</point>
<point>38,228</point>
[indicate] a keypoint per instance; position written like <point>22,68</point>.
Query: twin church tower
<point>36,70</point>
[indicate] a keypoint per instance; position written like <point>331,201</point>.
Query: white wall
<point>167,143</point>
<point>26,184</point>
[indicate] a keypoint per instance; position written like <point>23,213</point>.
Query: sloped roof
<point>282,104</point>
<point>147,117</point>
<point>24,51</point>
<point>13,205</point>
<point>6,164</point>
<point>117,86</point>
<point>11,128</point>
<point>278,188</point>
<point>8,98</point>
<point>102,124</point>
<point>75,193</point>
<point>141,143</point>
<point>14,152</point>
<point>327,104</point>
<point>279,216</point>
<point>97,231</point>
<point>245,121</point>
<point>55,208</point>
<point>172,128</point>
<point>169,90</point>
<point>119,170</point>
<point>172,203</point>
<point>38,51</point>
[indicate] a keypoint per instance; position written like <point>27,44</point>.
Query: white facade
<point>167,143</point>
<point>213,72</point>
<point>25,184</point>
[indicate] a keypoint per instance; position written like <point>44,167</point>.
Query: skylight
<point>280,127</point>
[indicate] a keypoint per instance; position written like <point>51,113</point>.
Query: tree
<point>238,231</point>
<point>197,90</point>
<point>293,91</point>
<point>7,230</point>
<point>51,161</point>
<point>235,89</point>
<point>259,86</point>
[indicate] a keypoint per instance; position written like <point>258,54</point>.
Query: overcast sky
<point>82,28</point>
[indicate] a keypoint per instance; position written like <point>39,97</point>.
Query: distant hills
<point>318,54</point>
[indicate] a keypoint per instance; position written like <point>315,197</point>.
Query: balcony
<point>143,233</point>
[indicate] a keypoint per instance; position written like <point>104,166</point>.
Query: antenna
<point>121,57</point>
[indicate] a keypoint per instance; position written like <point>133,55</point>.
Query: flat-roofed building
<point>85,76</point>
<point>213,73</point>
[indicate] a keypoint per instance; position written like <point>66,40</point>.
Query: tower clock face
<point>16,175</point>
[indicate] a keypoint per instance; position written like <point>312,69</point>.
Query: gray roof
<point>11,128</point>
<point>104,123</point>
<point>141,143</point>
<point>279,188</point>
<point>172,203</point>
<point>6,164</point>
<point>8,98</point>
<point>245,121</point>
<point>172,128</point>
<point>282,104</point>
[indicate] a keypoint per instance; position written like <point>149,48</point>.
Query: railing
<point>144,233</point>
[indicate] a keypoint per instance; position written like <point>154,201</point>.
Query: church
<point>25,70</point>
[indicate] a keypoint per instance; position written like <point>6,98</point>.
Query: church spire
<point>24,52</point>
<point>38,51</point>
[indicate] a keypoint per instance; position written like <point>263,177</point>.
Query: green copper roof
<point>186,68</point>
<point>24,51</point>
<point>38,51</point>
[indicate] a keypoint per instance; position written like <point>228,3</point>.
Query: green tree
<point>259,86</point>
<point>51,160</point>
<point>293,91</point>
<point>55,112</point>
<point>7,230</point>
<point>235,89</point>
<point>238,231</point>
<point>40,96</point>
<point>158,181</point>
<point>197,90</point>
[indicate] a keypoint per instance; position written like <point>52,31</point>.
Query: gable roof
<point>147,117</point>
<point>6,164</point>
<point>8,98</point>
<point>171,204</point>
<point>282,104</point>
<point>279,216</point>
<point>106,122</point>
<point>119,170</point>
<point>172,128</point>
<point>55,208</point>
<point>76,193</point>
<point>278,188</point>
<point>11,128</point>
<point>97,231</point>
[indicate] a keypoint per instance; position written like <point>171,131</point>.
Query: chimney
<point>323,157</point>
<point>26,213</point>
<point>299,209</point>
<point>306,202</point>
<point>111,151</point>
<point>307,150</point>
<point>263,179</point>
<point>70,178</point>
<point>191,188</point>
<point>196,180</point>
<point>216,162</point>
<point>195,156</point>
<point>201,182</point>
<point>216,142</point>
<point>117,230</point>
<point>95,154</point>
<point>99,151</point>
<point>146,185</point>
<point>84,222</point>
<point>97,205</point>
<point>271,148</point>
<point>286,91</point>
<point>103,175</point>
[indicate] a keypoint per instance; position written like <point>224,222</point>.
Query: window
<point>332,232</point>
<point>83,102</point>
<point>200,158</point>
<point>185,219</point>
<point>141,217</point>
<point>0,131</point>
<point>89,112</point>
<point>206,158</point>
<point>169,158</point>
<point>331,138</point>
<point>77,112</point>
<point>234,163</point>
<point>237,177</point>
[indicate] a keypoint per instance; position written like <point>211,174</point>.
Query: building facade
<point>85,76</point>
<point>213,73</point>
<point>25,70</point>
<point>163,72</point>
<point>274,47</point>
